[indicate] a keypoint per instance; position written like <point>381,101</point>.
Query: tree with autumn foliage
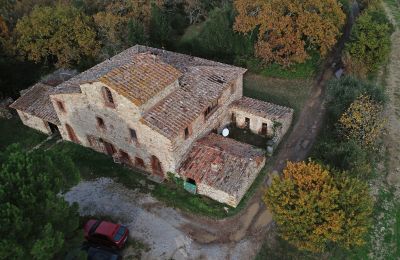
<point>314,209</point>
<point>60,34</point>
<point>362,121</point>
<point>288,30</point>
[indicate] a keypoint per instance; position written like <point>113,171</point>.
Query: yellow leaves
<point>362,121</point>
<point>313,209</point>
<point>287,28</point>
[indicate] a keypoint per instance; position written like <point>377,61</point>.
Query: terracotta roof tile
<point>262,108</point>
<point>200,85</point>
<point>36,101</point>
<point>221,163</point>
<point>142,78</point>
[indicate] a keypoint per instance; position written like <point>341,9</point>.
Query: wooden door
<point>110,149</point>
<point>156,166</point>
<point>264,129</point>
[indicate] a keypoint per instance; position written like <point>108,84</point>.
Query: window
<point>211,108</point>
<point>188,132</point>
<point>232,87</point>
<point>100,122</point>
<point>71,134</point>
<point>133,134</point>
<point>139,162</point>
<point>61,106</point>
<point>108,97</point>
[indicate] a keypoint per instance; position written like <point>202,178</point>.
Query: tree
<point>59,34</point>
<point>369,43</point>
<point>34,219</point>
<point>160,27</point>
<point>136,34</point>
<point>313,209</point>
<point>362,121</point>
<point>348,89</point>
<point>288,29</point>
<point>217,40</point>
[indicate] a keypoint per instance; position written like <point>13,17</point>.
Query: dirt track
<point>194,237</point>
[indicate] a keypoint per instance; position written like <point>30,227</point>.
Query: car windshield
<point>120,233</point>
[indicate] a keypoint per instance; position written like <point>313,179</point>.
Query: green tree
<point>342,92</point>
<point>34,218</point>
<point>369,43</point>
<point>136,34</point>
<point>217,39</point>
<point>160,27</point>
<point>59,34</point>
<point>313,209</point>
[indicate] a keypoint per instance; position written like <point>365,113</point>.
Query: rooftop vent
<point>217,79</point>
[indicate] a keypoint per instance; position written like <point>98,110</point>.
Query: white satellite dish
<point>225,132</point>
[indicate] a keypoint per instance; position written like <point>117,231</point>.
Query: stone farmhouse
<point>161,111</point>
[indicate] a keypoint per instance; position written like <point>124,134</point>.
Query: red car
<point>106,233</point>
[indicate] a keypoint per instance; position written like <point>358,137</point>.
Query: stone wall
<point>276,132</point>
<point>82,110</point>
<point>233,198</point>
<point>34,122</point>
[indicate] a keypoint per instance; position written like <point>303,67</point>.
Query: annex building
<point>160,111</point>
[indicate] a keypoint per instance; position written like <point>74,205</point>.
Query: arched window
<point>108,97</point>
<point>71,134</point>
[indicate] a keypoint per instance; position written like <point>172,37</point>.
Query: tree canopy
<point>34,218</point>
<point>61,34</point>
<point>362,121</point>
<point>369,43</point>
<point>288,29</point>
<point>313,209</point>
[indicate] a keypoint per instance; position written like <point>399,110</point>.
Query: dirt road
<point>170,233</point>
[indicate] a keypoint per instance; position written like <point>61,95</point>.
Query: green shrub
<point>369,44</point>
<point>345,156</point>
<point>342,92</point>
<point>217,40</point>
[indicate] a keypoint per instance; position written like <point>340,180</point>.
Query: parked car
<point>95,253</point>
<point>106,233</point>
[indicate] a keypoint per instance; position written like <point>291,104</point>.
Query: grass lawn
<point>291,93</point>
<point>13,131</point>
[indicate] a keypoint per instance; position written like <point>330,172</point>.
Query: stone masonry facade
<point>148,108</point>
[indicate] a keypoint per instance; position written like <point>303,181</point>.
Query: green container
<point>190,187</point>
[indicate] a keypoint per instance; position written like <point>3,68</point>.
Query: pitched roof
<point>200,85</point>
<point>221,163</point>
<point>262,108</point>
<point>142,78</point>
<point>36,101</point>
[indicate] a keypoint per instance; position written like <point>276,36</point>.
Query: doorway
<point>247,122</point>
<point>110,149</point>
<point>264,129</point>
<point>156,166</point>
<point>53,128</point>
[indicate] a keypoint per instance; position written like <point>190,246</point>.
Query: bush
<point>369,44</point>
<point>345,156</point>
<point>218,41</point>
<point>342,92</point>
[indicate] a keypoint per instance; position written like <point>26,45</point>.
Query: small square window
<point>133,134</point>
<point>187,133</point>
<point>100,122</point>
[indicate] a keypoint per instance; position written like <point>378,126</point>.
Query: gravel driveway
<point>149,221</point>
